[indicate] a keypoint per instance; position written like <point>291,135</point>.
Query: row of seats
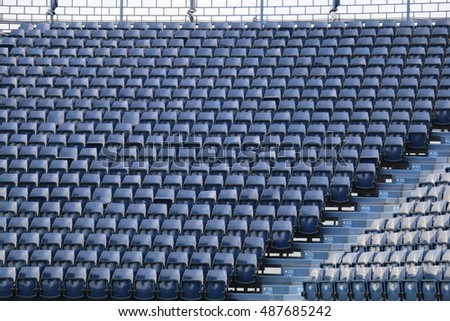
<point>257,47</point>
<point>424,218</point>
<point>195,123</point>
<point>96,87</point>
<point>389,258</point>
<point>319,190</point>
<point>227,91</point>
<point>264,161</point>
<point>412,283</point>
<point>229,68</point>
<point>77,283</point>
<point>160,255</point>
<point>406,239</point>
<point>262,41</point>
<point>170,235</point>
<point>199,220</point>
<point>65,120</point>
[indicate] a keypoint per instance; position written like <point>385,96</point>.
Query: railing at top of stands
<point>13,12</point>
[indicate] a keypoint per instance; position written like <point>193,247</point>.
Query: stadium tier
<point>225,161</point>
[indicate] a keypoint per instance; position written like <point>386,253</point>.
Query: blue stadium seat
<point>17,259</point>
<point>163,243</point>
<point>192,285</point>
<point>132,260</point>
<point>340,189</point>
<point>97,286</point>
<point>327,285</point>
<point>429,286</point>
<point>109,259</point>
<point>51,282</point>
<point>75,283</point>
<point>309,218</point>
<point>281,235</point>
<point>149,227</point>
<point>29,242</point>
<point>7,282</point>
<point>216,285</point>
<point>122,284</point>
<point>155,260</point>
<point>365,176</point>
<point>246,268</point>
<point>27,282</point>
<point>141,243</point>
<point>443,286</point>
<point>193,227</point>
<point>343,285</point>
<point>393,284</point>
<point>145,284</point>
<point>171,227</point>
<point>311,286</point>
<point>40,259</point>
<point>168,284</point>
<point>411,284</point>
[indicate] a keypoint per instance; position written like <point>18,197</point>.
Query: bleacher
<point>218,161</point>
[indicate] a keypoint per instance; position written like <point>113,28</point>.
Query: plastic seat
<point>145,284</point>
<point>29,241</point>
<point>7,282</point>
<point>200,212</point>
<point>191,285</point>
<point>163,243</point>
<point>344,284</point>
<point>122,284</point>
<point>27,282</point>
<point>330,281</point>
<point>281,235</point>
<point>75,283</point>
<point>242,216</point>
<point>168,284</point>
<point>254,245</point>
<point>51,282</point>
<point>429,284</point>
<point>231,244</point>
<point>215,228</point>
<point>309,219</point>
<point>311,285</point>
<point>365,176</point>
<point>340,189</point>
<point>376,285</point>
<point>84,226</point>
<point>86,259</point>
<point>97,286</point>
<point>216,285</point>
<point>246,268</point>
<point>119,242</point>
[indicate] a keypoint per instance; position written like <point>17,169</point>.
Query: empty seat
<point>216,285</point>
<point>192,285</point>
<point>309,218</point>
<point>74,283</point>
<point>7,282</point>
<point>246,268</point>
<point>168,284</point>
<point>282,235</point>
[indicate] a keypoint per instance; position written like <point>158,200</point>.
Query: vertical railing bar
<point>261,13</point>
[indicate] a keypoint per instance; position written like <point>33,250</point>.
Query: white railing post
<point>261,13</point>
<point>121,11</point>
<point>408,10</point>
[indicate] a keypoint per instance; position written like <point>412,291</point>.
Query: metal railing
<point>13,12</point>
